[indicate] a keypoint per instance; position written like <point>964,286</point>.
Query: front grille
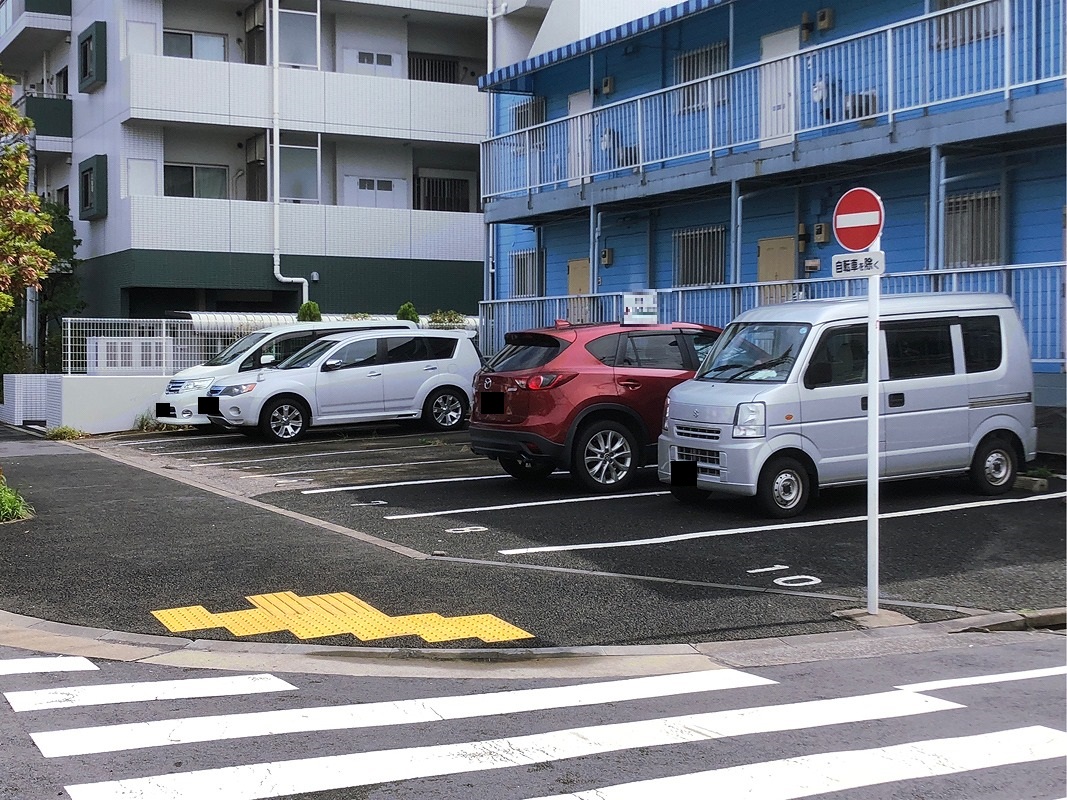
<point>709,462</point>
<point>694,432</point>
<point>174,387</point>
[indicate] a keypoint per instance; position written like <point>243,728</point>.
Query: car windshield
<point>526,351</point>
<point>237,349</point>
<point>754,351</point>
<point>309,355</point>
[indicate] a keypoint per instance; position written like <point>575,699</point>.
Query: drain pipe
<point>276,152</point>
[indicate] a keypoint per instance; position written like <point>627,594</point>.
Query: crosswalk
<point>732,719</point>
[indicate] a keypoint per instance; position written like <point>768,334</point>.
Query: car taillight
<point>544,380</point>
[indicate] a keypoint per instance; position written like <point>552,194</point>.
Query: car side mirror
<point>818,374</point>
<point>332,365</point>
<point>265,359</point>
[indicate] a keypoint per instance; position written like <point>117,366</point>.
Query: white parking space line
<point>26,666</point>
<point>365,466</point>
<point>167,732</point>
<point>242,447</point>
<point>681,537</point>
<point>562,501</point>
<point>406,483</point>
<point>162,439</point>
<point>980,680</point>
<point>106,694</point>
<point>312,455</point>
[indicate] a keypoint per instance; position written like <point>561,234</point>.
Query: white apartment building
<point>203,173</point>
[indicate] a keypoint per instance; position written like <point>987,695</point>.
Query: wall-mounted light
<point>314,277</point>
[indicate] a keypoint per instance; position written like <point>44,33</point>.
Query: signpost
<point>858,220</point>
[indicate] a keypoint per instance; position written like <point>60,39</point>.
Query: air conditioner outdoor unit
<point>861,104</point>
<point>129,355</point>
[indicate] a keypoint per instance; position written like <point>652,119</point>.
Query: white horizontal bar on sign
<point>106,694</point>
<point>825,773</point>
<point>979,680</point>
<point>26,666</point>
<point>306,775</point>
<point>160,733</point>
<point>531,504</point>
<point>859,219</point>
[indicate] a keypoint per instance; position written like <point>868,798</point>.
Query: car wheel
<point>783,488</point>
<point>284,420</point>
<point>689,495</point>
<point>445,409</point>
<point>994,466</point>
<point>605,459</point>
<point>526,470</point>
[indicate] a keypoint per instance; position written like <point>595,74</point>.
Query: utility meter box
<point>640,308</point>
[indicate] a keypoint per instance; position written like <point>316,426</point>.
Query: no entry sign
<point>858,219</point>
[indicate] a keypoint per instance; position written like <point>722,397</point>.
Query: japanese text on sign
<point>858,265</point>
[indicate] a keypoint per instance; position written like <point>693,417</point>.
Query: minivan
<point>179,403</point>
<point>778,409</point>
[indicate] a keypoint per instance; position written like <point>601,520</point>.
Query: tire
<point>526,470</point>
<point>994,466</point>
<point>690,495</point>
<point>605,457</point>
<point>284,419</point>
<point>784,488</point>
<point>445,409</point>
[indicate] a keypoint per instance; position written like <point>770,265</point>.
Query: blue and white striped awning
<point>505,79</point>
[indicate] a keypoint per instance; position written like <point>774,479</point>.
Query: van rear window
<point>982,348</point>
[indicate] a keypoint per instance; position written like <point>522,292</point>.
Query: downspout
<point>594,248</point>
<point>276,152</point>
<point>933,224</point>
<point>29,322</point>
<point>492,15</point>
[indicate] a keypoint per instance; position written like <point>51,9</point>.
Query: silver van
<point>180,400</point>
<point>778,409</point>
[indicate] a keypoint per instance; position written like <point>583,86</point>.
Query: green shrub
<point>146,422</point>
<point>12,504</point>
<point>358,315</point>
<point>450,317</point>
<point>65,433</point>
<point>309,312</point>
<point>408,312</point>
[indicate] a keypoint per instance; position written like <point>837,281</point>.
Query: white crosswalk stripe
<point>26,666</point>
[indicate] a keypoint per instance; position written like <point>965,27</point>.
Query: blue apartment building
<point>699,152</point>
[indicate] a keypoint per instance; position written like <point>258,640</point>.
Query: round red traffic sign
<point>858,219</point>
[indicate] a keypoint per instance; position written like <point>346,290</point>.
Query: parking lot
<point>717,570</point>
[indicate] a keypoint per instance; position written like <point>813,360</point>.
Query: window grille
<point>525,273</point>
<point>438,69</point>
<point>700,256</point>
<point>972,229</point>
<point>695,64</point>
<point>969,24</point>
<point>528,113</point>
<point>443,194</point>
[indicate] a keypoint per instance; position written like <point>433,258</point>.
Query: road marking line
<point>979,680</point>
<point>71,696</point>
<point>161,733</point>
<point>527,505</point>
<point>824,773</point>
<point>243,447</point>
<point>324,773</point>
<point>681,537</point>
<point>352,469</point>
<point>408,483</point>
<point>26,666</point>
<point>312,455</point>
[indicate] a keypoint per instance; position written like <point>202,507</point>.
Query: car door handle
<point>429,368</point>
<point>896,400</point>
<point>630,384</point>
<point>863,403</point>
<point>374,374</point>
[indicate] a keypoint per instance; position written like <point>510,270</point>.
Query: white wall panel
<point>303,229</point>
<point>440,110</point>
<point>369,232</point>
<point>437,232</point>
<point>180,223</point>
<point>303,99</point>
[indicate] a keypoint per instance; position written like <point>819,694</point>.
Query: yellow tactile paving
<point>332,614</point>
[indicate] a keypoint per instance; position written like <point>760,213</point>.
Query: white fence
<point>968,54</point>
<point>1036,289</point>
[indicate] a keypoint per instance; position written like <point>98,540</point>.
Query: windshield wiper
<point>774,362</point>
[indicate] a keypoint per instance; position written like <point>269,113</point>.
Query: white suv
<point>363,377</point>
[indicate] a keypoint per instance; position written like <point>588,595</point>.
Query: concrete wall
<point>90,403</point>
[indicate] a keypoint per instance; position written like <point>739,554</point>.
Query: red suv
<point>584,398</point>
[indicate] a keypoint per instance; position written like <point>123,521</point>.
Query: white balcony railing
<point>983,50</point>
<point>1036,289</point>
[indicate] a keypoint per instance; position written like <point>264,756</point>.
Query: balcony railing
<point>979,51</point>
<point>1036,290</point>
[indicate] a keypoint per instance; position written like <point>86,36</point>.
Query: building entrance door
<point>580,309</point>
<point>776,82</point>
<point>776,261</point>
<point>579,137</point>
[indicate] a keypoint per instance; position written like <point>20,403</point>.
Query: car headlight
<point>233,391</point>
<point>750,421</point>
<point>666,412</point>
<point>197,385</point>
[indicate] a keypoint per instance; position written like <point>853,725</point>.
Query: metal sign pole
<point>874,404</point>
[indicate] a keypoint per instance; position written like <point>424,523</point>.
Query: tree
<point>309,312</point>
<point>60,292</point>
<point>23,260</point>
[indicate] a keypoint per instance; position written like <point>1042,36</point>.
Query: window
<point>399,349</point>
<point>700,256</point>
<point>918,350</point>
<point>195,180</point>
<point>695,64</point>
<point>188,44</point>
<point>62,86</point>
<point>528,113</point>
<point>972,229</point>
<point>298,37</point>
<point>440,346</point>
<point>701,342</point>
<point>969,24</point>
<point>982,346</point>
<point>525,273</point>
<point>92,57</point>
<point>604,349</point>
<point>443,194</point>
<point>427,67</point>
<point>63,196</point>
<point>299,153</point>
<point>284,346</point>
<point>361,353</point>
<point>92,188</point>
<point>653,351</point>
<point>844,351</point>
